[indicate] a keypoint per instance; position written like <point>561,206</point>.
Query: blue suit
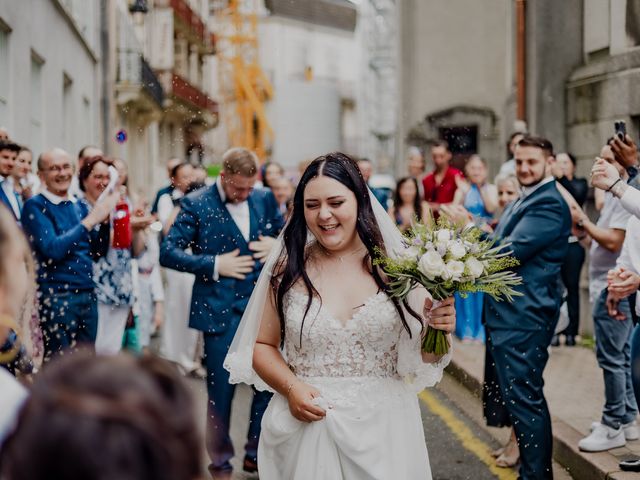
<point>4,199</point>
<point>519,333</point>
<point>205,225</point>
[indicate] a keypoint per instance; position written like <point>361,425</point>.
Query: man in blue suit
<point>8,153</point>
<point>230,229</point>
<point>537,226</point>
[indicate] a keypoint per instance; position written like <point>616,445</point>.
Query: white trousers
<point>178,340</point>
<point>112,321</point>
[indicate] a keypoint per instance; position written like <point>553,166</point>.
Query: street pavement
<point>457,441</point>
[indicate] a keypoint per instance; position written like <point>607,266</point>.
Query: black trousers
<point>493,407</point>
<point>570,272</point>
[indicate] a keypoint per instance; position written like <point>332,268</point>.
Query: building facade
<point>50,73</point>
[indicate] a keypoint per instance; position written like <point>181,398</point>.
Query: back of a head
<point>99,418</point>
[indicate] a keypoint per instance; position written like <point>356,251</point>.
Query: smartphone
<point>621,129</point>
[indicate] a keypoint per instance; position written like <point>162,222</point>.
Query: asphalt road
<point>458,446</point>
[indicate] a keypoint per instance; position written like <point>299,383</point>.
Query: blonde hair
<point>240,161</point>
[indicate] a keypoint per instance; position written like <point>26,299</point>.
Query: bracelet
<point>289,387</point>
<point>613,184</point>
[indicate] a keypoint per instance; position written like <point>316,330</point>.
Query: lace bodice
<point>366,346</point>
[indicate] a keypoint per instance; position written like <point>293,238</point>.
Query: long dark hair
<point>291,266</point>
<point>417,201</point>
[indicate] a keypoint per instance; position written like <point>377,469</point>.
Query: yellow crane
<point>244,88</point>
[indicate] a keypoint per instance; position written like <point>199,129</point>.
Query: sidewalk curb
<point>581,466</point>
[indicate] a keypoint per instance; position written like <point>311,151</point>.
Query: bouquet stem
<point>435,341</point>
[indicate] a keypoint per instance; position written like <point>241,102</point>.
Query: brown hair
<point>538,142</point>
<point>88,167</point>
<point>240,161</point>
<point>116,417</point>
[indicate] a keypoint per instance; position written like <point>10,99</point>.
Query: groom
<point>537,226</point>
<point>229,228</point>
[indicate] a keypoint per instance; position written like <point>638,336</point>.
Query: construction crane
<point>244,88</point>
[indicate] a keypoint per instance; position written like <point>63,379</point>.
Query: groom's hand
<point>262,247</point>
<point>234,265</point>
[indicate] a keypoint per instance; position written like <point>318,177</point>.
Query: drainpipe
<point>521,59</point>
<point>104,67</point>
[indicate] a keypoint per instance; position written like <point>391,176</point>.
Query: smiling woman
<point>351,364</point>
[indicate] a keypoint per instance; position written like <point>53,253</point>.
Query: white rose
<point>431,264</point>
<point>411,253</point>
<point>441,248</point>
<point>443,235</point>
<point>474,267</point>
<point>455,269</point>
<point>457,249</point>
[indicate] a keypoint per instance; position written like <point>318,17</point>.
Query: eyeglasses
<point>59,168</point>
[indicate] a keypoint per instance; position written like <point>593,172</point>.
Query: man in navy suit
<point>230,229</point>
<point>537,226</point>
<point>8,153</point>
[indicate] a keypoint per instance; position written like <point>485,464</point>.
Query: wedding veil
<point>239,360</point>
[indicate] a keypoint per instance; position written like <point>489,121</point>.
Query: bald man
<point>66,238</point>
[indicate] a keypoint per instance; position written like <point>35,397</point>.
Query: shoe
<point>555,341</point>
<point>602,438</point>
<point>250,467</point>
<point>630,465</point>
<point>631,430</point>
<point>570,341</point>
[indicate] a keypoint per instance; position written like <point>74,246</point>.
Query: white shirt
<point>7,186</point>
<point>631,200</point>
<point>13,397</point>
<point>57,199</point>
<point>166,206</point>
<point>241,216</point>
<point>630,254</point>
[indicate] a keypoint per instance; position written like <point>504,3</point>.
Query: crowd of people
<point>91,267</point>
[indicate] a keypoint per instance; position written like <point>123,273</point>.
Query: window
<point>4,78</point>
<point>36,108</point>
<point>67,111</point>
<point>633,22</point>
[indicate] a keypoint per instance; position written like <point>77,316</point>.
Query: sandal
<point>505,462</point>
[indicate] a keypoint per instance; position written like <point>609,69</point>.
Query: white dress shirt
<point>239,214</point>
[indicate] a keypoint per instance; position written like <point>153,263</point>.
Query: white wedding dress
<point>369,372</point>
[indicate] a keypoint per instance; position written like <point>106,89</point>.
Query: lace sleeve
<point>414,371</point>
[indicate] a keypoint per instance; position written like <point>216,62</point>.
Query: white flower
<point>474,267</point>
<point>474,248</point>
<point>431,264</point>
<point>411,253</point>
<point>442,248</point>
<point>457,249</point>
<point>455,269</point>
<point>443,235</point>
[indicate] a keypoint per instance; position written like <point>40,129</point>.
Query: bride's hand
<point>301,403</point>
<point>442,317</point>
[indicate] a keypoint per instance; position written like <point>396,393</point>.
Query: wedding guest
<point>613,346</point>
<point>509,166</point>
<point>407,204</point>
<point>85,153</point>
<point>66,242</point>
<point>229,227</point>
<point>366,169</point>
<point>481,200</point>
<point>440,185</point>
<point>8,195</point>
<point>116,417</point>
<point>25,182</point>
<point>171,164</point>
<point>282,190</point>
<point>536,227</point>
<point>269,172</point>
<point>4,134</point>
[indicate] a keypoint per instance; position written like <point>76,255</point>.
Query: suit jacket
<point>205,225</point>
<point>538,228</point>
<point>5,200</point>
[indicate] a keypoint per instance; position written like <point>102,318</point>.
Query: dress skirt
<point>372,430</point>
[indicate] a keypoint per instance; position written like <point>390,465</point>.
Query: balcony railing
<point>134,71</point>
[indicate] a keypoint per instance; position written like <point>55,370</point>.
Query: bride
<point>342,357</point>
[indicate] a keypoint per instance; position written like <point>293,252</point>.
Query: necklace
<point>342,257</point>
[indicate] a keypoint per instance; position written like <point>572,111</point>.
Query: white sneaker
<point>602,438</point>
<point>631,430</point>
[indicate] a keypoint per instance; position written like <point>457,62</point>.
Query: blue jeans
<point>69,320</point>
<point>613,350</point>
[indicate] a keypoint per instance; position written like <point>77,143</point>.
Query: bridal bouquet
<point>444,259</point>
